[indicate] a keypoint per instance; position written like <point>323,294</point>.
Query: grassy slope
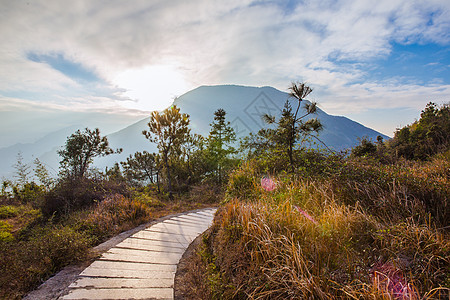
<point>360,230</point>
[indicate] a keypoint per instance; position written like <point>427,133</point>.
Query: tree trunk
<point>157,182</point>
<point>291,158</point>
<point>169,180</point>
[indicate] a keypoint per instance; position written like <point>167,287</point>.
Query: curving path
<point>143,265</point>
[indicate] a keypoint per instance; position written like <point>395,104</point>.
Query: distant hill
<point>44,149</point>
<point>244,106</point>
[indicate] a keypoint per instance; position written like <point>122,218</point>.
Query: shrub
<point>26,263</point>
<point>29,193</point>
<point>5,232</point>
<point>8,211</point>
<point>241,182</point>
<point>113,215</point>
<point>71,195</point>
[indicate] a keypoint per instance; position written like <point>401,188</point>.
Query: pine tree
<point>220,140</point>
<point>291,127</point>
<point>22,170</point>
<point>142,166</point>
<point>41,173</point>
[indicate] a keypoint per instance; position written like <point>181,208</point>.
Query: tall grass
<point>361,232</point>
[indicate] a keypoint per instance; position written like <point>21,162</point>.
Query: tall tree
<point>193,144</point>
<point>291,126</point>
<point>168,129</point>
<point>220,140</point>
<point>80,150</point>
<point>22,170</point>
<point>41,173</point>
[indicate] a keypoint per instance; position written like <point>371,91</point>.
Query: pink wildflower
<point>389,278</point>
<point>268,184</point>
<point>305,214</point>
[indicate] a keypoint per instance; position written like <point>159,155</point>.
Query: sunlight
<point>152,87</point>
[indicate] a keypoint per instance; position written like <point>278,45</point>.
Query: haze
<point>108,63</point>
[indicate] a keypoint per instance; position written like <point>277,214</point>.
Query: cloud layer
<point>333,45</point>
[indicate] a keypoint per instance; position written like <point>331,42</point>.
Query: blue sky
<point>377,62</point>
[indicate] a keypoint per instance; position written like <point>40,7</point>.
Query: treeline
<point>426,137</point>
<point>183,159</point>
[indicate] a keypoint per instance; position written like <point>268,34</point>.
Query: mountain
<point>45,149</point>
<point>244,106</point>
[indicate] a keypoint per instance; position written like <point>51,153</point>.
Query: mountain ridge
<point>244,106</point>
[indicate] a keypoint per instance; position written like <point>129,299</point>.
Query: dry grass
<point>371,234</point>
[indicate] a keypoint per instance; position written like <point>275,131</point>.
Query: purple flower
<point>268,184</point>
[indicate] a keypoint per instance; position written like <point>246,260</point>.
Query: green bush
<point>241,183</point>
<point>8,211</point>
<point>30,193</point>
<point>5,232</point>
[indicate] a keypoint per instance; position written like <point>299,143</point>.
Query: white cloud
<point>214,42</point>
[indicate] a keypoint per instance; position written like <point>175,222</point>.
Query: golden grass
<point>307,240</point>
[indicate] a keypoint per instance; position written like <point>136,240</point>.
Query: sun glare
<point>151,87</point>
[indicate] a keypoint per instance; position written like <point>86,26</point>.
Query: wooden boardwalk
<point>143,265</point>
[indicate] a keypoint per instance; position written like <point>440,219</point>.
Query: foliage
<point>292,132</point>
<point>241,183</point>
<point>5,232</point>
<point>80,150</point>
<point>22,170</point>
<point>29,192</point>
<point>112,215</point>
<point>41,173</point>
<point>365,148</point>
<point>424,138</point>
<point>220,141</point>
<point>70,195</point>
<point>291,128</point>
<point>168,129</point>
<point>25,263</point>
<point>195,158</point>
<point>142,167</point>
<point>8,211</point>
